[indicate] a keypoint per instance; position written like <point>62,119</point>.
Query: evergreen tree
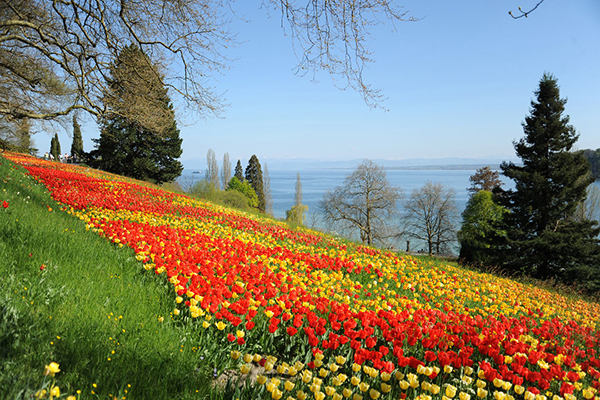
<point>124,146</point>
<point>544,240</point>
<point>239,172</point>
<point>77,145</point>
<point>255,178</point>
<point>55,147</point>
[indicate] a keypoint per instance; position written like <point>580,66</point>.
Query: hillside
<point>314,316</point>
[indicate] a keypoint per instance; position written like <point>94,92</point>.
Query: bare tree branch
<point>69,46</point>
<point>525,13</point>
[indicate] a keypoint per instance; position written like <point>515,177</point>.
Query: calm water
<point>315,183</point>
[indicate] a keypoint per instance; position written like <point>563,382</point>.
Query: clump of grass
<point>71,297</point>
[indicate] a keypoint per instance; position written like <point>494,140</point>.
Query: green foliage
<point>245,188</point>
<point>238,200</point>
<point>55,147</point>
<point>127,148</point>
<point>90,299</point>
<point>255,178</point>
<point>297,214</point>
<point>543,239</point>
<point>77,145</point>
<point>481,229</point>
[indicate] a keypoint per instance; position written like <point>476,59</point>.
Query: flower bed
<point>328,318</point>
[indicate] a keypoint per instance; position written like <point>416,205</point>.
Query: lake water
<point>316,182</point>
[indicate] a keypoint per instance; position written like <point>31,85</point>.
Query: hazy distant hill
<point>413,163</point>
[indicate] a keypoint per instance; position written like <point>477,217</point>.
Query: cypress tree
<point>255,178</point>
<point>239,172</point>
<point>124,146</point>
<point>55,147</point>
<point>543,238</point>
<point>77,145</point>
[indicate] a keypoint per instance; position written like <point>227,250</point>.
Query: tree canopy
<point>365,203</point>
<point>77,145</point>
<point>544,239</point>
<point>254,176</point>
<point>55,55</point>
<point>125,146</point>
<point>430,215</point>
<point>484,179</point>
<point>482,229</point>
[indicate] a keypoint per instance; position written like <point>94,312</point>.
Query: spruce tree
<point>239,171</point>
<point>77,145</point>
<point>543,238</point>
<point>124,146</point>
<point>255,178</point>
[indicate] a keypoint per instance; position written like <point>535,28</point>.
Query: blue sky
<point>459,83</point>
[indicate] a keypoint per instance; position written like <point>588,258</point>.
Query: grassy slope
<point>88,283</point>
<point>91,299</point>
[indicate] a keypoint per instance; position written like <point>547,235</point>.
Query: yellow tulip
<point>51,369</point>
<point>464,396</point>
<point>340,360</point>
<point>245,368</point>
<point>288,386</point>
<point>519,389</point>
<point>374,394</point>
<point>450,391</point>
<point>54,392</point>
<point>499,395</point>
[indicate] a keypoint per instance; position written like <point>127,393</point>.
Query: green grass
<point>92,302</point>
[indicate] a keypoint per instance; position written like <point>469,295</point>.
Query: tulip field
<point>301,314</point>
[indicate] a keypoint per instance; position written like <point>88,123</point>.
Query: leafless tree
<point>365,203</point>
<point>212,169</point>
<point>226,171</point>
<point>298,194</point>
<point>267,191</point>
<point>589,209</point>
<point>431,215</point>
<point>55,54</point>
<point>484,179</point>
<point>297,214</point>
